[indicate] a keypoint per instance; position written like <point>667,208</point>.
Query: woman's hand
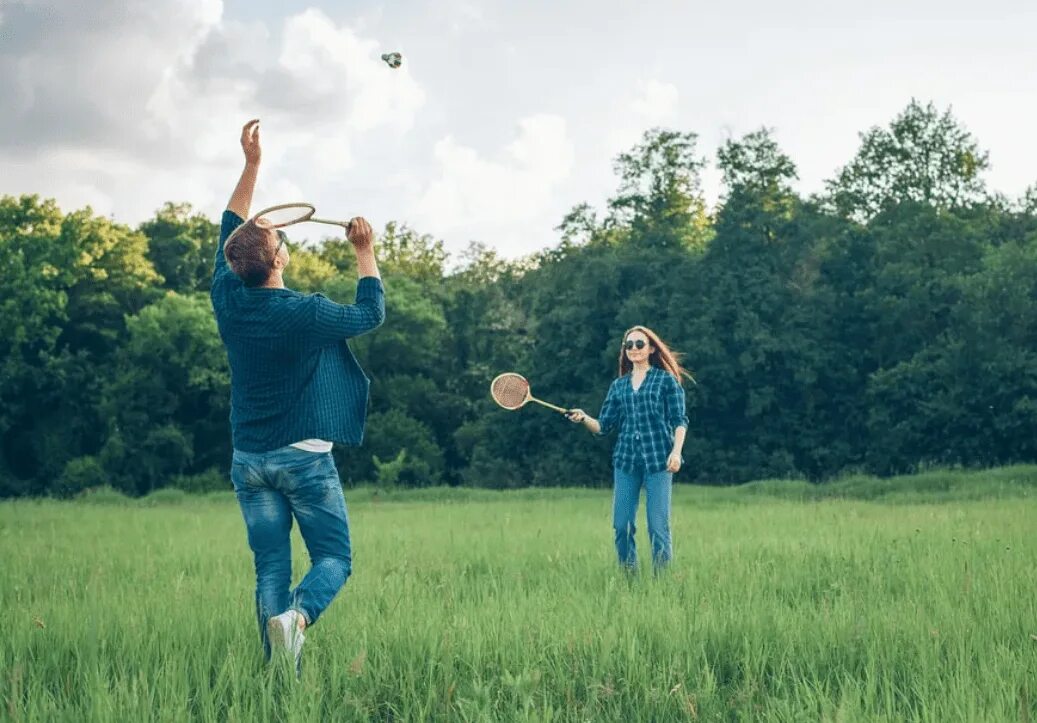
<point>576,416</point>
<point>673,462</point>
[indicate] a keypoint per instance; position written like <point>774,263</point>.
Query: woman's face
<point>637,348</point>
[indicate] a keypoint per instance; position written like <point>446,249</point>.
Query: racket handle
<point>549,406</point>
<point>348,225</point>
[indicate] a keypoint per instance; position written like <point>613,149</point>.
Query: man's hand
<point>241,198</point>
<point>250,142</point>
<point>360,234</point>
<point>576,415</point>
<point>673,463</point>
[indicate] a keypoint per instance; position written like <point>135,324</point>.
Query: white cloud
<point>653,104</point>
<point>125,104</point>
<point>328,63</point>
<point>128,104</point>
<point>464,15</point>
<point>656,101</point>
<point>501,201</point>
<point>326,89</point>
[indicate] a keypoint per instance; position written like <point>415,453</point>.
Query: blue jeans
<point>625,496</point>
<point>271,487</point>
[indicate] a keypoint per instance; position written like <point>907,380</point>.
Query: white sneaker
<point>285,636</point>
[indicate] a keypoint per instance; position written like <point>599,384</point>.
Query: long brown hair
<point>663,357</point>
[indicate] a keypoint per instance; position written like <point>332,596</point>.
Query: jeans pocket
<point>239,475</point>
<point>300,461</point>
<point>322,471</point>
<point>304,470</point>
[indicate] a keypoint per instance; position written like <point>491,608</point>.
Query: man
<point>295,389</point>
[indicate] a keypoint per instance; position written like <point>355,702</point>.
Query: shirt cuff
<point>368,285</point>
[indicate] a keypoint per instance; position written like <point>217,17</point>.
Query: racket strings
<point>284,215</point>
<point>510,390</point>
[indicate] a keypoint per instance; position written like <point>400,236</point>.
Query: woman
<point>646,404</point>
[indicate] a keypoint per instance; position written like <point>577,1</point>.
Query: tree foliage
<point>924,156</point>
<point>885,325</point>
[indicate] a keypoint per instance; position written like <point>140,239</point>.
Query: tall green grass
<point>784,603</point>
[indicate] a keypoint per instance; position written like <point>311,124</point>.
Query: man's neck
<point>276,281</point>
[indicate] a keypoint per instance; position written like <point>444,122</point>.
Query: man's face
<point>278,240</point>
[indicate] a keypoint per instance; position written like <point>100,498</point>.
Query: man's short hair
<point>250,251</point>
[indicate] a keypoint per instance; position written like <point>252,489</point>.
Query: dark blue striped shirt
<point>293,377</point>
<point>646,419</point>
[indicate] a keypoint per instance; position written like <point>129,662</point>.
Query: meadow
<point>904,599</point>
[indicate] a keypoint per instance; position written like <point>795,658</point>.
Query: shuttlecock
<point>393,60</point>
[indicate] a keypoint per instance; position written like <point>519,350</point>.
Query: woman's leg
<point>658,493</point>
<point>625,493</point>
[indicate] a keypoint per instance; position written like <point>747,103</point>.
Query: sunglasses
<point>635,344</point>
<point>282,240</point>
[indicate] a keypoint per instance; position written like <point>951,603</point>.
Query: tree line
<point>884,324</point>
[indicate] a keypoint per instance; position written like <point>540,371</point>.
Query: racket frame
<point>529,397</point>
<point>305,218</point>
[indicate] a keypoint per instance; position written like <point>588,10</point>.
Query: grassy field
<point>877,600</point>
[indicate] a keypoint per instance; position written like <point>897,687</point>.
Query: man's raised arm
<point>241,200</point>
<point>333,322</point>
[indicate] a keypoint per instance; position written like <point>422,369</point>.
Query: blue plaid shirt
<point>647,419</point>
<point>292,374</point>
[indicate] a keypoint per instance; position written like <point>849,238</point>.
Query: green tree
<point>71,280</point>
<point>754,321</point>
<point>924,156</point>
<point>660,194</point>
<point>167,400</point>
<point>390,434</point>
<point>113,276</point>
<point>420,257</point>
<point>970,395</point>
<point>38,269</point>
<point>181,246</point>
<point>1028,201</point>
<point>308,271</point>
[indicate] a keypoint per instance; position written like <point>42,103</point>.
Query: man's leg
<point>268,521</point>
<point>658,489</point>
<point>315,494</point>
<point>625,494</point>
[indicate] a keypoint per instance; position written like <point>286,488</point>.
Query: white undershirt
<point>313,445</point>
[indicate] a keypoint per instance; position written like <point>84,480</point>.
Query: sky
<point>503,116</point>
